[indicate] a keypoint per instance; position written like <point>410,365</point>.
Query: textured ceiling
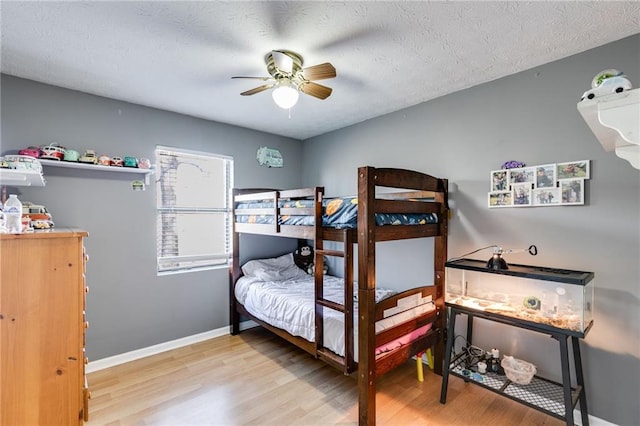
<point>179,55</point>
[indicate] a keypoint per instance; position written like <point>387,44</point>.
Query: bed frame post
<point>234,273</point>
<point>348,243</point>
<point>366,297</point>
<point>440,257</point>
<point>318,276</point>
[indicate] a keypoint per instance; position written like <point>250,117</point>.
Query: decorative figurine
<point>607,82</point>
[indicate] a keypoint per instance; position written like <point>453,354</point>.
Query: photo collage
<point>557,184</point>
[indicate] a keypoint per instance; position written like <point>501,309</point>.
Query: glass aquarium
<point>552,297</point>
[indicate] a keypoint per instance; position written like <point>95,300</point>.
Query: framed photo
<point>500,199</point>
<point>573,169</point>
<point>521,194</point>
<point>546,197</point>
<point>499,180</point>
<point>572,191</point>
<point>523,175</point>
<point>546,176</point>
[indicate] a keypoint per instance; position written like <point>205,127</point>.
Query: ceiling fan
<point>288,77</point>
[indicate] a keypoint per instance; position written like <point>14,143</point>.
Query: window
<point>193,209</point>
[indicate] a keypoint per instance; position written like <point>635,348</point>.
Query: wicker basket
<point>518,371</point>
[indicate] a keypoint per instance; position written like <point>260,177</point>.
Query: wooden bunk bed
<point>366,234</point>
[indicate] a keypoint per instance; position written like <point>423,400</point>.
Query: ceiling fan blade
<point>316,90</point>
<point>319,72</point>
<point>255,78</point>
<point>282,61</point>
<point>258,89</point>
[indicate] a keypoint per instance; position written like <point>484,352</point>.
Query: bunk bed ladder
<point>345,363</point>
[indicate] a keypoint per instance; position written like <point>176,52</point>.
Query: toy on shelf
<point>144,163</point>
<point>32,151</point>
<point>53,151</point>
<point>130,162</point>
<point>104,160</point>
<point>36,216</point>
<point>607,82</point>
<point>71,155</point>
<point>89,157</point>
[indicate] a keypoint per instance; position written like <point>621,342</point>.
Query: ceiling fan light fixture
<point>285,95</point>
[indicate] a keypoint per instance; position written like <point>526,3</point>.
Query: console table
<point>555,399</point>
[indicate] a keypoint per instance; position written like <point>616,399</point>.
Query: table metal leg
<point>577,361</point>
<point>566,378</point>
<point>447,356</point>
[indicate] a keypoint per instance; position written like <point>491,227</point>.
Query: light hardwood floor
<point>256,378</point>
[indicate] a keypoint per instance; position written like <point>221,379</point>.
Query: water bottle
<point>13,214</point>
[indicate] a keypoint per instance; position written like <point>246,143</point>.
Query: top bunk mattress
<point>340,213</point>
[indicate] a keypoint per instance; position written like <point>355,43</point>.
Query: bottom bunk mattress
<point>284,298</point>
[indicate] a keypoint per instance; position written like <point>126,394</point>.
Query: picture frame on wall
<point>500,199</point>
<point>545,185</point>
<point>522,175</point>
<point>573,169</point>
<point>546,197</point>
<point>572,191</point>
<point>521,194</point>
<point>499,180</point>
<point>546,176</point>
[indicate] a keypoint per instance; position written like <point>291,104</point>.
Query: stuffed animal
<point>325,267</point>
<point>303,257</point>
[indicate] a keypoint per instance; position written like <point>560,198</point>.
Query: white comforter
<point>289,305</point>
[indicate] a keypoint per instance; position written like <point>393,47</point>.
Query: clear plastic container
<point>13,214</point>
<point>517,370</point>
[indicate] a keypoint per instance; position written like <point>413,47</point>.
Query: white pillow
<point>274,269</point>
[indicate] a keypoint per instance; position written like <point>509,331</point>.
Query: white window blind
<point>193,209</point>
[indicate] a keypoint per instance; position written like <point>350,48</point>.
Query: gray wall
<point>128,306</point>
<point>531,117</point>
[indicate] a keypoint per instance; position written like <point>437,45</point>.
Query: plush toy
<point>325,267</point>
<point>303,257</point>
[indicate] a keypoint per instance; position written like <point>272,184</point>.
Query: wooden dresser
<point>42,328</point>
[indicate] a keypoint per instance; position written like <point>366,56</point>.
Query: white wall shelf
<point>143,173</point>
<point>13,177</point>
<point>615,120</point>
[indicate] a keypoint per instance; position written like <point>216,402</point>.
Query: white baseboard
<point>593,421</point>
<point>112,361</point>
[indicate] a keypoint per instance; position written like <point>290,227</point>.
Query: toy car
<point>604,85</point>
<point>104,160</point>
<point>89,157</point>
<point>52,151</point>
<point>42,224</point>
<point>116,161</point>
<point>35,211</point>
<point>23,162</point>
<point>130,162</point>
<point>32,151</point>
<point>71,155</point>
<point>36,216</point>
<point>144,163</point>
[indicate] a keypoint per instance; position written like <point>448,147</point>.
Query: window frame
<point>162,209</point>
